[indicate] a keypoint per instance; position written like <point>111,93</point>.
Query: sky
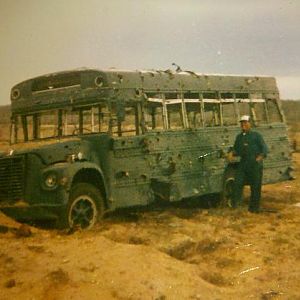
<point>207,36</point>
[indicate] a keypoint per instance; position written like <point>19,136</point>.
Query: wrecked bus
<point>89,141</point>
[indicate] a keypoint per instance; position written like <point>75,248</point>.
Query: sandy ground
<point>182,251</point>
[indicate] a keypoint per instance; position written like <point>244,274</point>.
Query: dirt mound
<point>85,266</point>
<point>7,222</point>
<point>9,225</point>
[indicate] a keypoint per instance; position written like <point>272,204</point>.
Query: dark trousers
<point>248,173</point>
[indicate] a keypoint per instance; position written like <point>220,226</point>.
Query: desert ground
<point>182,251</point>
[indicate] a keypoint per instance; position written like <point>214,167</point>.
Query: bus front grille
<point>11,178</point>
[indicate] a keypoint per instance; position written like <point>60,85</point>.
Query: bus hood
<point>52,152</point>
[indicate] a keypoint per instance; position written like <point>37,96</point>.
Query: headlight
<point>51,181</point>
<point>75,157</point>
<point>80,155</point>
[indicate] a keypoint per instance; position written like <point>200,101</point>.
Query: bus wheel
<point>84,208</point>
<point>228,188</point>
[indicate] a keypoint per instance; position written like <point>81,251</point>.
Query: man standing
<point>251,148</point>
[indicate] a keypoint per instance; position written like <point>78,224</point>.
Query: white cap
<point>245,118</point>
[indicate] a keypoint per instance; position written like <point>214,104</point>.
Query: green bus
<point>89,141</point>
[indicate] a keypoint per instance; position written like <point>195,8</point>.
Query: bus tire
<point>228,188</point>
<point>85,207</point>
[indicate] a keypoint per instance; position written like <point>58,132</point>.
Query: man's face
<point>245,125</point>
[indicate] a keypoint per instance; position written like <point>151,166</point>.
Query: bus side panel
<point>176,156</point>
<point>172,165</point>
<point>179,164</point>
<point>278,161</point>
<point>130,172</point>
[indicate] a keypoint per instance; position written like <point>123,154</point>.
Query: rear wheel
<point>84,208</point>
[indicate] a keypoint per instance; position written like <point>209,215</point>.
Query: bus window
<point>18,130</point>
<point>28,127</point>
<point>259,113</point>
<point>129,125</point>
<point>229,113</point>
<point>175,108</point>
<point>193,109</point>
<point>212,114</point>
<point>153,114</point>
<point>103,118</point>
<point>226,96</point>
<point>91,119</point>
<point>18,127</point>
<point>70,124</point>
<point>194,114</point>
<point>123,120</point>
<point>87,121</point>
<point>273,111</point>
<point>175,118</point>
<point>243,107</point>
<point>240,96</point>
<point>228,109</point>
<point>95,119</point>
<point>210,95</point>
<point>48,124</point>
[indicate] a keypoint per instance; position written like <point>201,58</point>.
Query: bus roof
<point>62,88</point>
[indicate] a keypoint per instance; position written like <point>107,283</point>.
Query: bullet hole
<point>158,158</point>
<point>122,174</point>
<point>99,81</point>
<point>120,78</point>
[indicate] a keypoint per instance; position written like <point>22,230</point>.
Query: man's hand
<point>230,156</point>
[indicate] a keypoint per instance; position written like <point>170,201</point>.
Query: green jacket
<point>248,145</point>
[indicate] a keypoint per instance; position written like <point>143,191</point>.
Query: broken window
<point>175,110</point>
<point>130,124</point>
<point>17,130</point>
<point>56,82</point>
<point>175,115</point>
<point>28,127</point>
<point>259,113</point>
<point>154,112</point>
<point>103,118</point>
<point>85,120</point>
<point>123,119</point>
<point>212,113</point>
<point>47,123</point>
<point>153,116</point>
<point>240,96</point>
<point>210,95</point>
<point>90,120</point>
<point>273,111</point>
<point>229,113</point>
<point>243,106</point>
<point>193,109</point>
<point>70,122</point>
